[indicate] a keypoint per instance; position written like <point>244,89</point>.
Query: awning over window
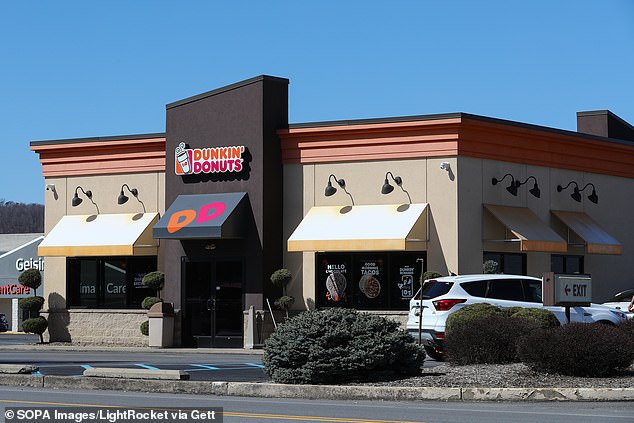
<point>596,240</point>
<point>204,216</point>
<point>125,234</point>
<point>362,228</point>
<point>531,232</point>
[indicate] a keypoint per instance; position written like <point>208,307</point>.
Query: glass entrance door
<point>213,303</point>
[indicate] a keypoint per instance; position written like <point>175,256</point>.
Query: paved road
<point>263,410</point>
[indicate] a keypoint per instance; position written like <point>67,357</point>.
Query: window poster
<point>333,275</point>
<point>370,290</point>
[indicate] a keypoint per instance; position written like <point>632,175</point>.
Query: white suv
<point>443,296</point>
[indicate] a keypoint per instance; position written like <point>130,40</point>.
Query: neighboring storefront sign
<point>193,161</point>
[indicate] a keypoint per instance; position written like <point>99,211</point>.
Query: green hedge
<point>578,349</point>
<point>148,302</point>
<point>335,345</point>
<point>469,314</point>
<point>145,328</point>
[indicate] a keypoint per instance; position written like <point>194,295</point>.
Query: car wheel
<point>435,353</point>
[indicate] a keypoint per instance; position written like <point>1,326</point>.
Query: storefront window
<point>367,281</point>
<point>566,264</point>
<point>509,263</point>
<point>108,282</point>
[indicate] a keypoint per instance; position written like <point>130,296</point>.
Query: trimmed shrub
<point>509,311</point>
<point>430,274</point>
<point>35,325</point>
<point>488,340</point>
<point>148,302</point>
<point>470,313</point>
<point>577,349</point>
<point>285,302</point>
<point>154,280</point>
<point>545,318</point>
<point>31,303</point>
<point>334,345</point>
<point>145,327</point>
<point>281,277</point>
<point>627,326</point>
<point>31,278</point>
<point>490,266</point>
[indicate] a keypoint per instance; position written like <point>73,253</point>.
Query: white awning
<point>101,235</point>
<point>362,228</point>
<point>531,232</point>
<point>597,241</point>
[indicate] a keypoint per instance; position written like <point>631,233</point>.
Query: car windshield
<point>622,296</point>
<point>433,288</point>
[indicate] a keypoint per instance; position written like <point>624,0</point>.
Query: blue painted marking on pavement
<point>145,366</point>
<point>86,366</point>
<point>205,366</point>
<point>256,365</point>
<point>38,373</point>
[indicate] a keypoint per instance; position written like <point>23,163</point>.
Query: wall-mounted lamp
<point>512,188</point>
<point>330,190</point>
<point>535,190</point>
<point>123,198</point>
<point>77,201</point>
<point>387,188</point>
<point>576,193</point>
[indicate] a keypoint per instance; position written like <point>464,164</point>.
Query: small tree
<point>281,278</point>
<point>155,280</point>
<point>32,278</point>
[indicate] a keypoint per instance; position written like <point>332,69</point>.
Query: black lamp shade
<point>387,188</point>
<point>535,191</point>
<point>576,195</point>
<point>594,197</point>
<point>330,190</point>
<point>122,198</point>
<point>76,200</point>
<point>512,188</point>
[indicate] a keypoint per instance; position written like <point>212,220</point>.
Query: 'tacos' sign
<point>192,161</point>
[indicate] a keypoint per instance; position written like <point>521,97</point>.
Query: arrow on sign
<point>567,290</point>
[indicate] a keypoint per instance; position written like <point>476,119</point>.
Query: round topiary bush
<point>285,302</point>
<point>509,311</point>
<point>488,340</point>
<point>577,349</point>
<point>35,325</point>
<point>154,280</point>
<point>545,318</point>
<point>470,313</point>
<point>148,302</point>
<point>334,345</point>
<point>145,328</point>
<point>31,278</point>
<point>31,303</point>
<point>281,278</point>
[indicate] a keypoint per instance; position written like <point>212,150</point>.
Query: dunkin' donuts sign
<point>192,161</point>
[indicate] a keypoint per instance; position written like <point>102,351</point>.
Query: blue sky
<point>96,68</point>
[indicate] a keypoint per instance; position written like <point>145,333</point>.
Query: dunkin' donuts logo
<point>192,161</point>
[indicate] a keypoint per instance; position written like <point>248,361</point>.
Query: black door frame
<point>211,340</point>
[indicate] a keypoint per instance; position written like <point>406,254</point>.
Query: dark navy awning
<point>204,216</point>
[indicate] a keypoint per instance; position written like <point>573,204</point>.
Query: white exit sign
<point>572,290</point>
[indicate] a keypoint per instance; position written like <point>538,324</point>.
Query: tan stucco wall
<point>610,273</point>
<point>458,222</point>
<point>364,181</point>
<point>105,191</point>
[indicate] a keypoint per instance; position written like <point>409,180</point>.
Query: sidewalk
<point>274,390</point>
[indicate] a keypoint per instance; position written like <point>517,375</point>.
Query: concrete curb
<point>133,373</point>
<point>319,392</point>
